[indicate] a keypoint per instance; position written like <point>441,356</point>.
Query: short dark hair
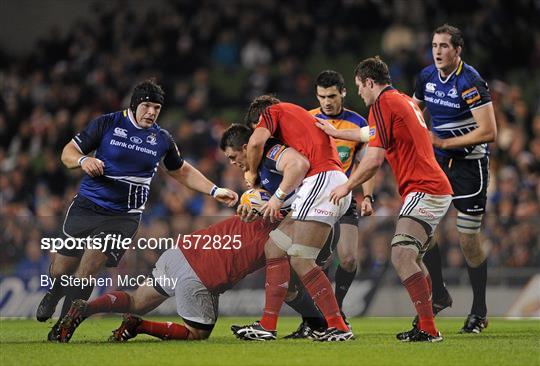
<point>235,137</point>
<point>146,91</point>
<point>373,68</point>
<point>329,78</point>
<point>258,105</point>
<point>456,38</point>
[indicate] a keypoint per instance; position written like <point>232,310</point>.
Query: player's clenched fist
<point>225,195</point>
<point>93,167</point>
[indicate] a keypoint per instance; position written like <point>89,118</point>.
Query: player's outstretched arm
<point>192,178</point>
<point>73,158</point>
<point>255,150</point>
<point>367,168</point>
<point>356,134</point>
<point>486,131</point>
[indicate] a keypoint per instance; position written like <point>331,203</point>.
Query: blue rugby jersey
<point>131,155</point>
<point>450,101</point>
<point>269,175</point>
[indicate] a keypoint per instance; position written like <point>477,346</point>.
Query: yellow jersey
<point>346,120</point>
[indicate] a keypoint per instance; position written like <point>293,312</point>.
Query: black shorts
<point>469,179</point>
<point>351,216</point>
<point>86,219</point>
<point>329,246</point>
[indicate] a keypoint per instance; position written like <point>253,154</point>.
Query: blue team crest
<point>151,139</point>
<point>452,93</point>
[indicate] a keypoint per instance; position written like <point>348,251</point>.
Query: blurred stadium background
<point>63,63</point>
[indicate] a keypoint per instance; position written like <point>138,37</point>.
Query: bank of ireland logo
<point>344,152</point>
<point>135,140</point>
<point>151,139</point>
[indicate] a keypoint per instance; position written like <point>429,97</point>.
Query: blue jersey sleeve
<point>172,159</point>
<point>475,91</point>
<point>419,87</point>
<point>272,154</point>
<point>89,139</point>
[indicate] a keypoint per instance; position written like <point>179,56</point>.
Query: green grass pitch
<point>505,342</point>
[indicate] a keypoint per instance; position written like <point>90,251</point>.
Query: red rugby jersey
<point>220,269</point>
<point>295,127</point>
<point>397,125</point>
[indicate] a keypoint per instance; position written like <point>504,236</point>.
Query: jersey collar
<point>456,71</point>
<point>389,87</point>
<point>131,118</point>
<point>337,116</point>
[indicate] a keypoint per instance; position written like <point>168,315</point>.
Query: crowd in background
<point>212,58</point>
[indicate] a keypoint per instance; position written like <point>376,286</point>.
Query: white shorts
<point>312,201</point>
<point>194,303</point>
<point>426,207</point>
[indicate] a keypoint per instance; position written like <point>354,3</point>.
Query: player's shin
<point>303,304</point>
<point>277,283</point>
<point>112,302</point>
<point>420,295</point>
<point>163,330</point>
<point>320,289</point>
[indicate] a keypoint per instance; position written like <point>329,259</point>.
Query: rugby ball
<point>255,198</point>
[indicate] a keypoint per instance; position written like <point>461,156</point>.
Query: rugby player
<point>334,119</point>
<point>310,221</point>
<point>129,146</point>
<point>463,122</point>
<point>399,133</point>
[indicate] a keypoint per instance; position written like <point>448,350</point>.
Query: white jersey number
<point>418,113</point>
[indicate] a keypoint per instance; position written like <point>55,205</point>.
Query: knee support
<point>281,239</point>
<point>303,251</point>
<point>408,241</point>
<point>468,224</point>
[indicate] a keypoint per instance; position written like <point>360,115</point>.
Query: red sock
<point>320,289</point>
<point>112,302</point>
<point>278,274</point>
<point>166,330</point>
<point>418,289</point>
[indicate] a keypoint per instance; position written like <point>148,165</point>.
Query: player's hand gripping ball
<point>251,202</point>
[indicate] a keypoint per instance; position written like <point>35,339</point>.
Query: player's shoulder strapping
<point>379,122</point>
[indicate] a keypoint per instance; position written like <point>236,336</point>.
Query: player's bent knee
<point>280,239</point>
<point>303,251</point>
<point>468,224</point>
<point>198,335</point>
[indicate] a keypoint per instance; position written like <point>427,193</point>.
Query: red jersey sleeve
<point>380,122</point>
<point>269,119</point>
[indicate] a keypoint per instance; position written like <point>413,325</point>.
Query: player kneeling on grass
<point>201,275</point>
